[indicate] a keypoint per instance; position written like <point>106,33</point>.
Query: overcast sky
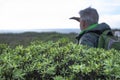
<point>49,14</point>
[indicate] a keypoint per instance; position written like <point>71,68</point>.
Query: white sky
<point>49,14</point>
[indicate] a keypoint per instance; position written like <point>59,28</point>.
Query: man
<point>90,29</point>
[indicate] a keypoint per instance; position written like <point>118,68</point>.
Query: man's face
<point>82,25</point>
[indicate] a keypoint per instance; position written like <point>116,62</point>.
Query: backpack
<point>108,41</point>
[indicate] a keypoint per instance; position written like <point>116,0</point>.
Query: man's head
<point>88,17</point>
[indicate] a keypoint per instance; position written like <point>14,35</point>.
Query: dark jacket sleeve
<point>89,39</point>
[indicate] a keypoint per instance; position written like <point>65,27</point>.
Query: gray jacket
<point>90,37</point>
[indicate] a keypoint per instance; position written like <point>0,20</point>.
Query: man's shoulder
<point>90,35</point>
<point>89,39</point>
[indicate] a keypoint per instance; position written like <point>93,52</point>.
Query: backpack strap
<point>101,41</point>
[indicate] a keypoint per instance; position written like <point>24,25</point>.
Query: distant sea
<point>42,30</point>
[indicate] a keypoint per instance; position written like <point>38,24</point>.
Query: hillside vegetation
<point>27,37</point>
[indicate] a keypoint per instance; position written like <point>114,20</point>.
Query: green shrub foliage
<point>61,60</point>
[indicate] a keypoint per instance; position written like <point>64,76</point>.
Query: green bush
<point>61,60</point>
